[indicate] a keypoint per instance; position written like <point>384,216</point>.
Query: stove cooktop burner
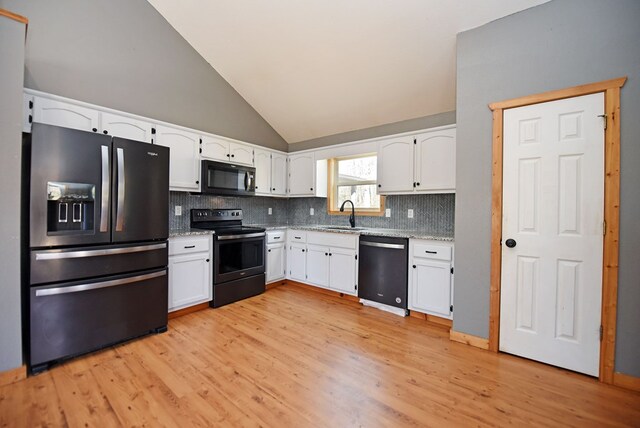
<point>221,221</point>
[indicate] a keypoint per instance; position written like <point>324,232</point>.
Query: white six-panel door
<point>553,208</point>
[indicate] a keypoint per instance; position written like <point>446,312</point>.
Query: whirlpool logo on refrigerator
<point>152,153</point>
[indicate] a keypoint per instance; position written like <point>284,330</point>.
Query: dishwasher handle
<point>383,245</point>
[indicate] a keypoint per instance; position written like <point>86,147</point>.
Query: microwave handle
<point>247,180</point>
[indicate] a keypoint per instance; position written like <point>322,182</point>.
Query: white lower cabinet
<point>276,260</point>
<point>431,277</point>
<point>190,264</point>
<point>324,259</point>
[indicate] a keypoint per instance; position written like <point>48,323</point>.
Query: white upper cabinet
<point>67,115</point>
<point>278,174</point>
<point>184,163</point>
<point>436,161</point>
<point>125,127</point>
<point>395,165</point>
<point>215,148</point>
<point>223,150</point>
<point>263,172</point>
<point>424,163</point>
<point>306,176</point>
<point>241,154</point>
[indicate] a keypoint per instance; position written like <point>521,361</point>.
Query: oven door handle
<point>248,235</point>
<point>96,285</point>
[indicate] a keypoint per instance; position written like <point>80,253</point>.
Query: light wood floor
<point>296,358</point>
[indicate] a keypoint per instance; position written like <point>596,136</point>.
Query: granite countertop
<point>394,233</point>
<point>189,232</point>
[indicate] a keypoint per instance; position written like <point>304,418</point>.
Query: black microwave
<point>227,179</point>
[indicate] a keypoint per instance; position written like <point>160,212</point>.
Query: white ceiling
<point>314,68</point>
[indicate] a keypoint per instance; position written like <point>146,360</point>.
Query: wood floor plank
<point>293,357</point>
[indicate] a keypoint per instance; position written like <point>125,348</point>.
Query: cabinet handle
<point>312,189</point>
<point>94,129</point>
<point>414,184</point>
<point>303,251</point>
<point>431,252</point>
<point>276,237</point>
<point>329,254</point>
<point>207,260</point>
<point>197,182</point>
<point>269,251</point>
<point>418,184</point>
<point>105,132</point>
<point>233,156</point>
<point>379,185</point>
<point>274,189</point>
<point>326,254</point>
<point>189,246</point>
<point>414,266</point>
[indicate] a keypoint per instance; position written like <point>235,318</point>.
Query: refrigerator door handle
<point>97,285</point>
<point>45,255</point>
<point>121,184</point>
<point>104,202</point>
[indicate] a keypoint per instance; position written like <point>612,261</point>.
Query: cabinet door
<point>189,280</point>
<point>342,270</point>
<point>436,161</point>
<point>58,113</point>
<point>430,287</point>
<point>278,174</point>
<point>395,165</point>
<point>318,265</point>
<point>263,172</point>
<point>241,154</point>
<point>184,163</point>
<point>275,262</point>
<point>215,149</point>
<point>125,127</point>
<point>302,173</point>
<point>297,262</point>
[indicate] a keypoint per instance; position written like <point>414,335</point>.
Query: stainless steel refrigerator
<point>96,263</point>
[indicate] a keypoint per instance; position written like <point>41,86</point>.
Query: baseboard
<point>323,291</point>
<point>432,319</point>
<point>189,310</point>
<point>275,284</point>
<point>13,375</point>
<point>468,339</point>
<point>626,381</point>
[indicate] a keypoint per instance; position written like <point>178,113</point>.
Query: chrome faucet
<point>352,217</point>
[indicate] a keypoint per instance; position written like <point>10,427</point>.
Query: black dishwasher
<point>382,270</point>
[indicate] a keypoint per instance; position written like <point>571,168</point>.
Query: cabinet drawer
<point>431,251</point>
<point>330,239</point>
<point>189,244</point>
<point>275,236</point>
<point>297,236</point>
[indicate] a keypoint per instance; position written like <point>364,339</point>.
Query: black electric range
<point>238,254</point>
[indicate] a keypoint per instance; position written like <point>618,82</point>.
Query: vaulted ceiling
<point>314,68</point>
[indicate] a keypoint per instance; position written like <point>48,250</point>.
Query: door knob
<point>510,243</point>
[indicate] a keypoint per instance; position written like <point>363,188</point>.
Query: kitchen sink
<point>343,228</point>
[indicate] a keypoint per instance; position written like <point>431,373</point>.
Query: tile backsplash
<point>432,213</point>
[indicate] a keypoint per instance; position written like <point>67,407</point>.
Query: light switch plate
<point>387,212</point>
<point>410,213</point>
<point>311,211</point>
<point>270,211</point>
<point>178,210</point>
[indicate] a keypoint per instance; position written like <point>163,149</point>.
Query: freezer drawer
<point>78,317</point>
<point>48,266</point>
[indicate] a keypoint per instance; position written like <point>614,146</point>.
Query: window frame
<point>332,189</point>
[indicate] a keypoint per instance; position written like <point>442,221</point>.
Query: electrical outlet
<point>311,211</point>
<point>178,210</point>
<point>270,211</point>
<point>387,212</point>
<point>410,213</point>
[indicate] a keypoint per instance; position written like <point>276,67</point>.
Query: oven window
<point>223,179</point>
<point>234,256</point>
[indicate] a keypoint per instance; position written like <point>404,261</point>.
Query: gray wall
<point>556,45</point>
<point>425,122</point>
<point>123,54</point>
<point>11,69</point>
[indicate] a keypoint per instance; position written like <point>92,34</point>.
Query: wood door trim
<point>626,381</point>
<point>611,89</point>
<point>14,16</point>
